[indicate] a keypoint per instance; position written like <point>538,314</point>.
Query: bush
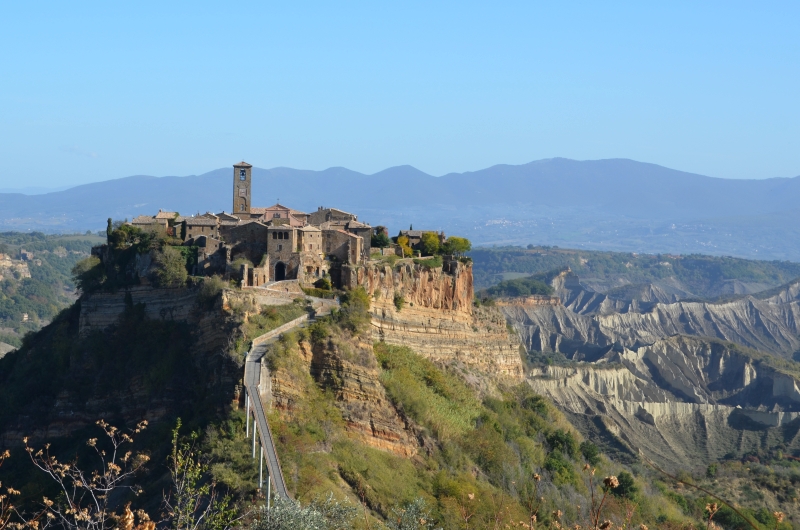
<point>88,274</point>
<point>399,300</point>
<point>430,263</point>
<point>590,452</point>
<point>210,289</point>
<point>287,514</point>
<point>323,283</point>
<point>380,240</point>
<point>170,268</point>
<point>354,314</point>
<point>627,486</point>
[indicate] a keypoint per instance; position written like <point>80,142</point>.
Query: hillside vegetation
<point>50,287</point>
<point>700,275</point>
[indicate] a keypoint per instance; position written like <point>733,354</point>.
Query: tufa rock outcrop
<point>431,311</point>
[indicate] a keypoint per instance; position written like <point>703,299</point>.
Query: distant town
<point>279,243</point>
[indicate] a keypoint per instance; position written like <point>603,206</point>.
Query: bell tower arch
<point>242,187</point>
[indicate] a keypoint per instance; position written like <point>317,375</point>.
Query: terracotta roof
<point>208,215</point>
<point>242,164</point>
<point>309,228</point>
<point>357,224</point>
<point>165,215</point>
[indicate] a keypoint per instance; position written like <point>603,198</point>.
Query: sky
<point>92,91</point>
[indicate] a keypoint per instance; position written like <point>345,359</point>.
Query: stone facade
<point>212,255</point>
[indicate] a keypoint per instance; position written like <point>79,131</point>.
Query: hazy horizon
<point>98,91</point>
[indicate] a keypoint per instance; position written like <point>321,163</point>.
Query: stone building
<point>212,255</point>
<point>324,215</point>
<point>247,240</point>
<point>280,242</point>
<point>415,237</point>
<point>203,225</point>
<point>364,231</point>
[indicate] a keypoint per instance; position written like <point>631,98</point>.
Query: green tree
<point>88,274</point>
<point>109,230</point>
<point>354,314</point>
<point>430,244</point>
<point>170,268</point>
<point>627,486</point>
<point>183,231</point>
<point>458,246</point>
<point>380,240</point>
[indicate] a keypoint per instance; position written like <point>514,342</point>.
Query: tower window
<point>242,174</point>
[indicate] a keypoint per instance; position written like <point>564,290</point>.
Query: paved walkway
<point>252,377</point>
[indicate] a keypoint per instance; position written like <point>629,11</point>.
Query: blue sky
<point>97,90</point>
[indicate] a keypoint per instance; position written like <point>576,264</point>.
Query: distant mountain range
<point>612,204</point>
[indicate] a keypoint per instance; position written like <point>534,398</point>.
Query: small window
<point>280,247</point>
<point>276,215</point>
<point>274,235</point>
<point>242,174</point>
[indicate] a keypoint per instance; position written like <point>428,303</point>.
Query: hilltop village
<point>268,244</point>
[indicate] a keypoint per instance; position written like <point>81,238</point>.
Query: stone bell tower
<point>242,187</point>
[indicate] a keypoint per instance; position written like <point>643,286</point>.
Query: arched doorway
<point>280,271</point>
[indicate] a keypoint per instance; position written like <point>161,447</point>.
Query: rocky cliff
<point>680,381</point>
<point>142,354</point>
<point>431,311</point>
<point>589,321</point>
<point>346,367</point>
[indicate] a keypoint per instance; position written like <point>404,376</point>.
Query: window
<point>280,247</point>
<point>286,235</point>
<point>241,207</point>
<point>274,235</point>
<point>280,235</point>
<point>276,215</point>
<point>242,174</point>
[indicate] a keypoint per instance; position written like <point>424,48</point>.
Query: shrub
<point>323,283</point>
<point>88,274</point>
<point>169,269</point>
<point>380,240</point>
<point>399,300</point>
<point>627,486</point>
<point>590,452</point>
<point>354,314</point>
<point>210,289</point>
<point>430,263</point>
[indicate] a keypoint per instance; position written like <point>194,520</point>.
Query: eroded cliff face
<point>669,379</point>
<point>345,366</point>
<point>437,318</point>
<point>151,356</point>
